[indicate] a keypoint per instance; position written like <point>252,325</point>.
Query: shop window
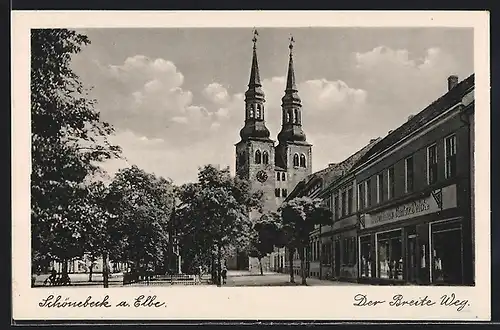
<point>278,176</point>
<point>296,160</point>
<point>380,187</point>
<point>265,157</point>
<point>349,251</point>
<point>283,176</point>
<point>277,192</point>
<point>390,183</point>
<point>258,158</point>
<point>302,160</point>
<point>390,258</point>
<point>450,147</point>
<point>409,174</point>
<point>447,258</point>
<point>366,258</point>
<point>432,164</point>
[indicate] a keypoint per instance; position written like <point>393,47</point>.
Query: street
<point>246,278</point>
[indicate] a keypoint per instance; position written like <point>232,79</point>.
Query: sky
<point>175,96</point>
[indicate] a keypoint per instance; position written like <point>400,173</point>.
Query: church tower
<point>293,152</point>
<point>255,152</point>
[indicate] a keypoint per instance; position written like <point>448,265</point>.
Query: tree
<point>300,215</point>
<point>215,213</point>
<point>265,236</point>
<point>140,206</point>
<point>68,142</point>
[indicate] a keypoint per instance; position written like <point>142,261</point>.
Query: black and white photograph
<point>325,158</point>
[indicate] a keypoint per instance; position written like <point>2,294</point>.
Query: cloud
<point>162,130</point>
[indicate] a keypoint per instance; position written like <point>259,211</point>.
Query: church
<point>272,168</point>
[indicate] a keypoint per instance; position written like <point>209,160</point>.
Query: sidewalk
<point>246,278</point>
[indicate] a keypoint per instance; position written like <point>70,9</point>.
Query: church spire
<point>254,102</point>
<point>291,129</point>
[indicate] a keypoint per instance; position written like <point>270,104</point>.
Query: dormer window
<point>258,159</point>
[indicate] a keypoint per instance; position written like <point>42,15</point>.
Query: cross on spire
<point>254,39</point>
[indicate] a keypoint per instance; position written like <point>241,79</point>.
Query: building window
<point>290,116</point>
<point>450,152</point>
<point>278,176</point>
<point>283,176</point>
<point>302,160</point>
<point>349,201</point>
<point>336,208</point>
<point>257,111</point>
<point>368,193</point>
<point>390,183</point>
<point>344,202</point>
<point>361,196</point>
<point>296,116</point>
<point>277,192</point>
<point>409,174</point>
<point>365,256</point>
<point>252,111</point>
<point>380,187</point>
<point>390,255</point>
<point>265,157</point>
<point>296,160</point>
<point>432,164</point>
<point>284,193</point>
<point>257,157</point>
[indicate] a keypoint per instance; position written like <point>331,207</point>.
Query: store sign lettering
<point>405,211</point>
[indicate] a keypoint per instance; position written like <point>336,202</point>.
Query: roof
<point>332,172</point>
<point>432,111</point>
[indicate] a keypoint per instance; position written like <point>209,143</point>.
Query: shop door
<point>447,256</point>
<point>412,258</point>
<point>337,258</point>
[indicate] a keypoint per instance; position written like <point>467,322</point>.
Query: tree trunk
<point>219,268</point>
<point>303,266</point>
<point>64,268</point>
<point>91,267</point>
<point>260,266</point>
<point>290,265</point>
<point>105,269</point>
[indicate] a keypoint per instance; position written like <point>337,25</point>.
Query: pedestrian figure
<point>224,275</point>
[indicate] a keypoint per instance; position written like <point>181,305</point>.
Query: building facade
<point>414,193</point>
<point>272,169</point>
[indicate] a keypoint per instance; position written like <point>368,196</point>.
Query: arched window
<point>257,111</point>
<point>265,157</point>
<point>296,160</point>
<point>290,116</point>
<point>251,111</point>
<point>296,116</point>
<point>284,193</point>
<point>302,160</point>
<point>283,176</point>
<point>277,192</point>
<point>257,157</point>
<point>278,176</point>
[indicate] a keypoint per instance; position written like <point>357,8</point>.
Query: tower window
<point>258,157</point>
<point>296,160</point>
<point>265,157</point>
<point>296,117</point>
<point>283,176</point>
<point>290,116</point>
<point>252,111</point>
<point>257,112</point>
<point>278,176</point>
<point>284,192</point>
<point>302,160</point>
<point>277,192</point>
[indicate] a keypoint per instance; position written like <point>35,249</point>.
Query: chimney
<point>410,117</point>
<point>452,82</point>
<point>372,140</point>
<point>332,164</point>
<point>390,132</point>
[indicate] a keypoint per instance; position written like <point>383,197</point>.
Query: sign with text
<point>412,209</point>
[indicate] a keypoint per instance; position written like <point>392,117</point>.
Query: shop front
<point>344,237</point>
<point>420,241</point>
